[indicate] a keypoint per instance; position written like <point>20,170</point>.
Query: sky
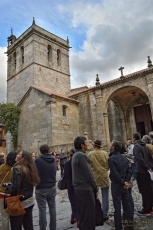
<point>103,34</point>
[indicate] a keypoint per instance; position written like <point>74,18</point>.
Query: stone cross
<point>11,31</point>
<point>121,69</point>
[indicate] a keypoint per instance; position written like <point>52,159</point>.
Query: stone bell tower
<point>37,57</point>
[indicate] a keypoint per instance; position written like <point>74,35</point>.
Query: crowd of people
<point>86,173</point>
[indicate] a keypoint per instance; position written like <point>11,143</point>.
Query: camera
<point>5,185</point>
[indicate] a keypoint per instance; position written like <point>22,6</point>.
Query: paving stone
<point>64,212</point>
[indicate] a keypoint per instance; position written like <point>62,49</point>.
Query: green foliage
<point>9,116</point>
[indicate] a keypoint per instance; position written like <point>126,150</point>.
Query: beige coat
<point>99,164</point>
<point>150,147</point>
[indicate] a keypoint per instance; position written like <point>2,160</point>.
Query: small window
<point>22,54</point>
<point>64,107</point>
<point>49,53</point>
<point>58,57</point>
<point>14,59</point>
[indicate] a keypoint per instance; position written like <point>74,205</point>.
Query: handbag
<point>98,213</point>
<point>13,206</point>
<point>62,184</point>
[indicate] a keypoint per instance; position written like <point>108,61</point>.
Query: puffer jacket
<point>141,157</point>
<point>20,184</point>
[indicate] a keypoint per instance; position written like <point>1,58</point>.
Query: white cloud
<point>3,73</point>
<point>117,33</point>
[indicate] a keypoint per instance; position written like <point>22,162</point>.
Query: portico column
<point>106,129</point>
<point>124,129</point>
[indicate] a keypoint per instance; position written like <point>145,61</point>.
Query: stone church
<point>38,80</point>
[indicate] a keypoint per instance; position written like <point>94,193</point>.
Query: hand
<point>96,194</point>
<point>126,185</point>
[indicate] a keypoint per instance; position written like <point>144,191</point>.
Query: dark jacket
<point>82,174</point>
<point>141,157</point>
<point>68,170</point>
<point>20,184</point>
<point>120,171</point>
<point>46,166</point>
<point>63,158</point>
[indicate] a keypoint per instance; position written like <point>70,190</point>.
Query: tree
<point>9,116</point>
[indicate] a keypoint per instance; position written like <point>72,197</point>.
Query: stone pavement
<point>64,213</point>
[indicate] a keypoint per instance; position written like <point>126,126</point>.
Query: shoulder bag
<point>62,184</point>
<point>13,204</point>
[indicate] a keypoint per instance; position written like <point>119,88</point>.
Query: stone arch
<point>129,100</point>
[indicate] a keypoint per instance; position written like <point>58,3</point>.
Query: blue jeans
<point>131,199</point>
<point>133,170</point>
<point>44,196</point>
<point>62,170</point>
<point>105,201</point>
<point>121,195</point>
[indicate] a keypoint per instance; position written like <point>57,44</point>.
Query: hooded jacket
<point>46,166</point>
<point>141,157</point>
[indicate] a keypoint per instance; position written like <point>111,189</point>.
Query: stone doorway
<point>143,119</point>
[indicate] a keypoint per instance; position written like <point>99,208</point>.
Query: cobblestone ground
<point>64,213</point>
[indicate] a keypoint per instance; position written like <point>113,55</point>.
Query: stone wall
<point>42,122</point>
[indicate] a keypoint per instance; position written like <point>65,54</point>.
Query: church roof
<point>78,90</point>
<point>117,80</point>
<point>49,93</point>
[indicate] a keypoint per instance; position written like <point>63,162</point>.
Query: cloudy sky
<point>104,34</point>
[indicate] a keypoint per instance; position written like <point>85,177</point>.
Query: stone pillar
<point>9,143</point>
<point>149,88</point>
<point>124,129</point>
<point>106,130</point>
<point>93,123</point>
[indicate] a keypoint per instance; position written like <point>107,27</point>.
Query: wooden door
<point>143,119</point>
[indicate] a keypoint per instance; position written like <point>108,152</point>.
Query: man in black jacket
<point>46,189</point>
<point>85,187</point>
<point>63,160</point>
<point>120,175</point>
<point>142,166</point>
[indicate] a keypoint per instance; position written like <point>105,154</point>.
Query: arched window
<point>64,110</point>
<point>49,53</point>
<point>58,57</point>
<point>22,54</point>
<point>14,60</point>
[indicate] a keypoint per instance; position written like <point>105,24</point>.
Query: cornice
<point>33,30</point>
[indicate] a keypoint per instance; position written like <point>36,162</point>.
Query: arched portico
<point>128,111</point>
